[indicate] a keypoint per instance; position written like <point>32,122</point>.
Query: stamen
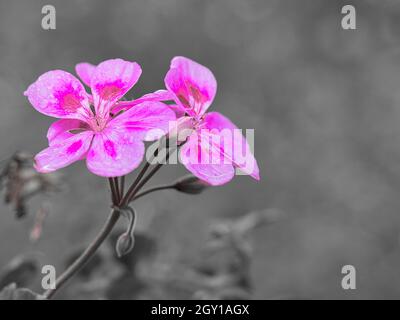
<point>93,109</point>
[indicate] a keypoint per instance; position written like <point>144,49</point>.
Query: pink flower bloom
<point>193,88</point>
<point>112,145</point>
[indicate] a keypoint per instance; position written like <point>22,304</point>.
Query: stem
<point>143,182</point>
<point>126,199</point>
<point>114,198</point>
<point>153,189</point>
<point>134,184</point>
<point>122,187</point>
<point>86,255</point>
<point>135,190</point>
<point>118,201</point>
<point>117,192</point>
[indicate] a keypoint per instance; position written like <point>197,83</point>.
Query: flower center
<point>97,123</point>
<point>198,122</point>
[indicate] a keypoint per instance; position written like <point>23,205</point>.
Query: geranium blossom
<point>193,88</point>
<point>89,127</point>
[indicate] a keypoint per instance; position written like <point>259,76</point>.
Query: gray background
<point>324,103</point>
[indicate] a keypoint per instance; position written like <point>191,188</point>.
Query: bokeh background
<point>325,106</point>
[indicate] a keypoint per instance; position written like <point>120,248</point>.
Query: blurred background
<point>325,106</point>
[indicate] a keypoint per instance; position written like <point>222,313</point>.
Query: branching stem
<point>119,201</point>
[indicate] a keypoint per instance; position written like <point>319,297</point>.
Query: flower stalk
<point>86,255</point>
<point>120,202</point>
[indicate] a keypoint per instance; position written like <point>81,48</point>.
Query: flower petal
<point>146,121</point>
<point>178,109</point>
<point>114,153</point>
<point>59,94</point>
<point>193,85</point>
<point>85,70</point>
<point>199,158</point>
<point>111,80</point>
<point>64,153</point>
<point>239,150</point>
<point>61,130</point>
<point>159,95</point>
<point>181,129</point>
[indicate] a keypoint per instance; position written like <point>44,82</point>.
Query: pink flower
<point>112,145</point>
<point>193,88</point>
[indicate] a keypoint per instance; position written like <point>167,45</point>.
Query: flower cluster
<point>110,133</point>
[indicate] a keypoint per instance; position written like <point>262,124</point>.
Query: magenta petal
<point>181,129</point>
<point>114,153</point>
<point>214,173</point>
<point>178,109</point>
<point>59,94</point>
<point>61,130</point>
<point>64,153</point>
<point>111,80</point>
<point>85,70</point>
<point>239,150</point>
<point>193,85</point>
<point>159,95</point>
<point>146,121</point>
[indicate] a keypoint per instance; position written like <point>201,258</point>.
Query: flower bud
<point>124,244</point>
<point>190,184</point>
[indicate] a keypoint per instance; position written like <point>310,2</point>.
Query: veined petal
<point>64,153</point>
<point>59,94</point>
<point>233,144</point>
<point>205,162</point>
<point>61,130</point>
<point>110,81</point>
<point>114,153</point>
<point>85,70</point>
<point>193,85</point>
<point>178,109</point>
<point>148,121</point>
<point>181,129</point>
<point>159,95</point>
